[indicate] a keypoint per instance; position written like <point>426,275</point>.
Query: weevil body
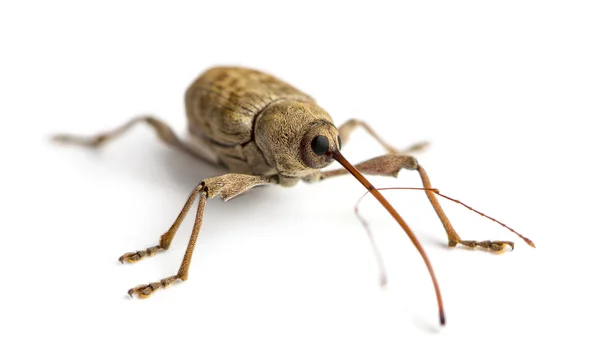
<point>265,132</point>
<point>253,123</point>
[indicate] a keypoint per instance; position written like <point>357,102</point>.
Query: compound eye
<point>319,144</point>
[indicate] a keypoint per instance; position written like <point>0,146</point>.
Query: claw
<point>504,244</point>
<point>494,246</point>
<point>499,246</point>
<point>144,291</point>
<point>138,255</point>
<point>130,257</point>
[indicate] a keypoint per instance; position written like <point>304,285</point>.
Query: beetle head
<point>295,137</point>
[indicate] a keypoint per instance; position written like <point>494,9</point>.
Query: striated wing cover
<point>223,102</point>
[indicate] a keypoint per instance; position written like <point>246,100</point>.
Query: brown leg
<point>349,126</point>
<point>146,290</point>
<point>166,238</point>
<point>225,186</point>
<point>390,165</point>
<point>164,132</point>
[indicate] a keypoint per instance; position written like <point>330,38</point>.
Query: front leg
<point>226,187</point>
<point>385,165</point>
<point>390,165</point>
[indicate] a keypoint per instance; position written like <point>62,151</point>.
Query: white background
<point>508,95</point>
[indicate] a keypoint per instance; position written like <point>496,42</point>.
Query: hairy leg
<point>226,187</point>
<point>390,165</point>
<point>164,132</point>
<point>349,126</point>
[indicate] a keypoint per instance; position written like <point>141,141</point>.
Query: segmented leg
<point>226,187</point>
<point>453,238</point>
<point>496,246</point>
<point>349,126</point>
<point>146,290</point>
<point>166,238</point>
<point>390,165</point>
<point>164,132</point>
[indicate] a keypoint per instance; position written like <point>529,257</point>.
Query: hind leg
<point>163,131</point>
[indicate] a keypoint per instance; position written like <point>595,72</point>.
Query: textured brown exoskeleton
<point>264,131</point>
